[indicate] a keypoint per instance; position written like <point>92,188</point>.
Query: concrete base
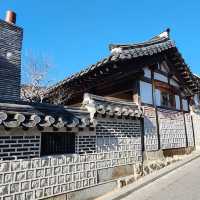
<point>88,193</point>
<point>92,192</point>
<point>59,197</point>
<point>153,155</point>
<point>160,154</point>
<point>178,151</point>
<point>114,173</point>
<point>122,193</point>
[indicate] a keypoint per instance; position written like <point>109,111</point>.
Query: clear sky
<point>76,33</point>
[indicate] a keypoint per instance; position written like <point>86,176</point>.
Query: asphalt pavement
<point>180,184</point>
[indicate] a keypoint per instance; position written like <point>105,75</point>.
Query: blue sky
<point>76,33</point>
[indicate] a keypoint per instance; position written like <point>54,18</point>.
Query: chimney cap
<point>10,17</point>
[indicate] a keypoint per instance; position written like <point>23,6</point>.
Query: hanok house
<point>151,74</point>
<point>134,101</point>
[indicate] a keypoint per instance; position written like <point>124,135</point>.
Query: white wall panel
<point>146,92</point>
<point>147,72</point>
<point>174,83</point>
<point>160,77</point>
<point>157,97</point>
<point>185,104</point>
<point>177,98</point>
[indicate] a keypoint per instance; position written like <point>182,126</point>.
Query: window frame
<point>57,143</point>
<point>170,93</point>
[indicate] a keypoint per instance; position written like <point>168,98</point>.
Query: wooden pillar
<point>155,106</point>
<point>136,92</point>
<point>186,137</point>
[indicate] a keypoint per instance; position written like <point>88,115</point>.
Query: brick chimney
<point>10,57</point>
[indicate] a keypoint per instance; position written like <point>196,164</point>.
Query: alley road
<point>181,184</point>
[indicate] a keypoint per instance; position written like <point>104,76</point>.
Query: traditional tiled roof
<point>111,106</point>
<point>155,45</point>
<point>21,114</point>
<point>119,52</point>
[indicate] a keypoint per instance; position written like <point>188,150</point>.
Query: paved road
<point>181,184</point>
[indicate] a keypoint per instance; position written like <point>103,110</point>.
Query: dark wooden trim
<point>145,79</point>
<point>161,72</point>
<point>138,91</point>
<point>142,135</point>
<point>186,137</point>
<point>153,88</point>
<point>193,131</point>
<point>167,108</point>
<point>158,128</point>
<point>147,104</point>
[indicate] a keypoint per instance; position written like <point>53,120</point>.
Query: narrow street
<point>181,184</point>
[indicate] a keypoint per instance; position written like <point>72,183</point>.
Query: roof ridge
<point>163,36</point>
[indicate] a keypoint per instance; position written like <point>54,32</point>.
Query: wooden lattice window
<point>57,143</point>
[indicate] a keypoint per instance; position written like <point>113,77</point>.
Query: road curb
<point>123,192</point>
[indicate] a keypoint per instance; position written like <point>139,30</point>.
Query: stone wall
<point>114,144</point>
<point>107,153</point>
<point>150,129</point>
<point>49,176</point>
<point>171,129</point>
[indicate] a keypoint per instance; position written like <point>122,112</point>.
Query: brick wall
<point>85,144</point>
<point>119,135</point>
<point>10,61</point>
<point>111,135</point>
<point>150,129</point>
<point>19,146</point>
<point>171,129</point>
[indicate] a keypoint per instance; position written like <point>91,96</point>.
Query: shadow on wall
<point>149,127</point>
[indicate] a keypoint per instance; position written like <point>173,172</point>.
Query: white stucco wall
<point>174,83</point>
<point>160,77</point>
<point>147,72</point>
<point>146,92</point>
<point>157,97</point>
<point>185,104</point>
<point>177,98</point>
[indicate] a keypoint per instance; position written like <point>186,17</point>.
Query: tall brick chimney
<point>10,57</point>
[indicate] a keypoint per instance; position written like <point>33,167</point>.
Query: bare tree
<point>36,84</point>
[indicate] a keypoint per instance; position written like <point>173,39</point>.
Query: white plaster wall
<point>160,77</point>
<point>174,83</point>
<point>164,67</point>
<point>177,98</point>
<point>146,92</point>
<point>157,97</point>
<point>196,99</point>
<point>185,104</point>
<point>147,72</point>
